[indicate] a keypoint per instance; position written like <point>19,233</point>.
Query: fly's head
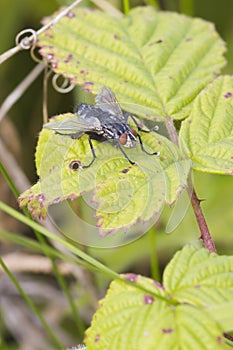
<point>128,139</point>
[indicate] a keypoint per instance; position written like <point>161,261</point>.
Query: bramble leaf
<point>207,135</point>
<point>155,62</point>
<point>199,277</point>
<point>147,315</point>
<point>142,191</point>
<point>123,193</point>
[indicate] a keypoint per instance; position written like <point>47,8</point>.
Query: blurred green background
<point>20,129</point>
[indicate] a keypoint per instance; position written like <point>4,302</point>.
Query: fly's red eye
<point>133,132</point>
<point>123,139</point>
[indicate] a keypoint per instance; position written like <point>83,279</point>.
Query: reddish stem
<point>205,233</point>
<point>228,336</point>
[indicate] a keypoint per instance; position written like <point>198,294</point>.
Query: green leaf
<point>146,315</point>
<point>122,193</point>
<point>199,277</point>
<point>223,315</point>
<point>207,135</point>
<point>155,62</point>
<point>142,191</point>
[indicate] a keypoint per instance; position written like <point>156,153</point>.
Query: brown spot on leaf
<point>158,285</point>
<point>131,277</point>
<point>159,41</point>
<point>125,171</point>
<point>54,64</point>
<point>219,340</point>
<point>88,86</point>
<point>228,94</point>
<point>40,197</point>
<point>70,14</point>
<point>57,200</point>
<point>49,56</point>
<point>74,80</point>
<point>75,165</point>
<point>72,196</point>
<point>148,299</point>
<point>68,58</point>
<point>97,338</point>
<point>167,330</point>
<point>84,72</point>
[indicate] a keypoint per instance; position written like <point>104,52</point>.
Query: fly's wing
<point>73,126</point>
<point>106,100</point>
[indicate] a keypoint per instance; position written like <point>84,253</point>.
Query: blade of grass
<point>126,7</point>
<point>35,246</point>
<point>32,306</point>
<point>9,181</point>
<point>99,266</point>
<point>50,235</point>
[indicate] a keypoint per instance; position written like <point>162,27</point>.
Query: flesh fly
<point>103,121</point>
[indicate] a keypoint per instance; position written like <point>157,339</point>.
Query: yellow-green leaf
<point>155,62</point>
<point>147,315</point>
<point>207,135</point>
<point>123,193</point>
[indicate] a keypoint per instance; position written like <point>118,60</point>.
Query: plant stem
<point>126,7</point>
<point>229,337</point>
<point>205,233</point>
<point>171,130</point>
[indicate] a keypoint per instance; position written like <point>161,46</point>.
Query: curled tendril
<point>27,41</point>
<point>35,56</point>
<point>65,87</point>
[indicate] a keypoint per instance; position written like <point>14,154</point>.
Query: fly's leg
<point>140,139</point>
<point>125,154</point>
<point>141,129</point>
<point>93,153</point>
<point>143,149</point>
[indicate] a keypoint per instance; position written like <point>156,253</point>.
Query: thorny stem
<point>228,336</point>
<point>205,233</point>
